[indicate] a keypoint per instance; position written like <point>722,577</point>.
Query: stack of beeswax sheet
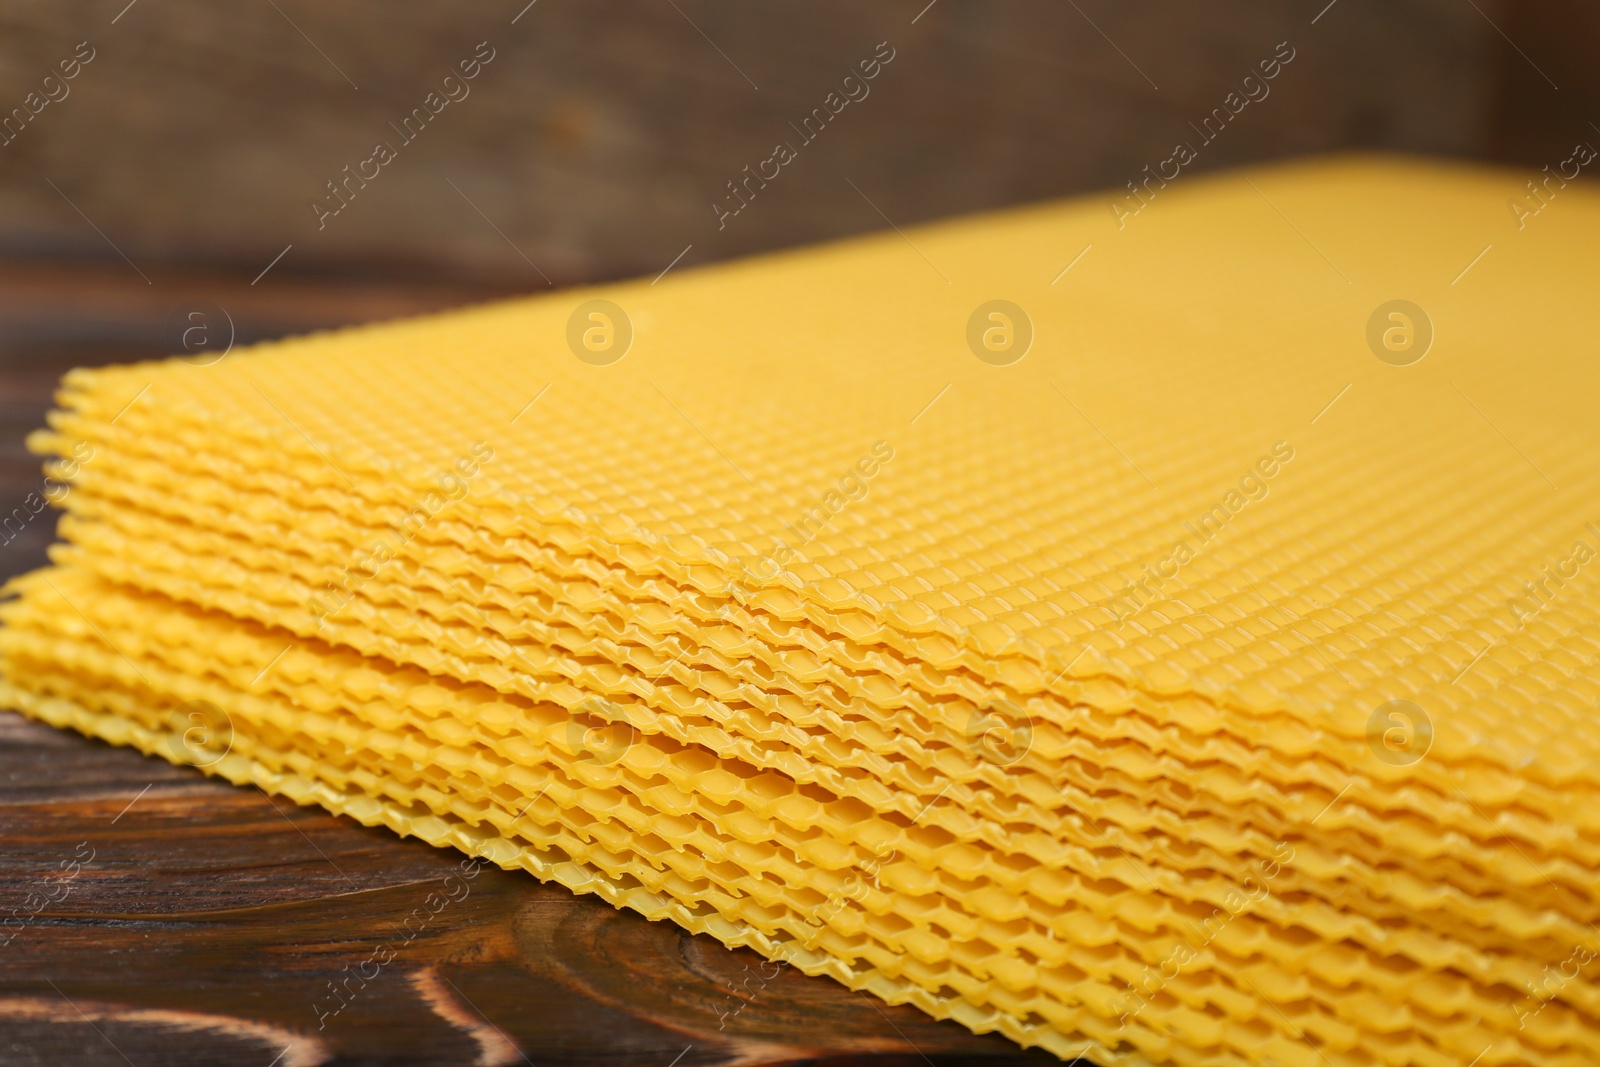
<point>1167,636</point>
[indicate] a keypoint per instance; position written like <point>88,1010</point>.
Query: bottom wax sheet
<point>624,889</point>
<point>902,974</point>
<point>1263,978</point>
<point>143,620</point>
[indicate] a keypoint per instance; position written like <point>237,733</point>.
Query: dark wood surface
<point>152,916</point>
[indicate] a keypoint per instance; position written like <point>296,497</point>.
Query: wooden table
<point>150,915</point>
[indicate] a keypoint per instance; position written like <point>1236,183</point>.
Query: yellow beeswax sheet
<point>1212,684</point>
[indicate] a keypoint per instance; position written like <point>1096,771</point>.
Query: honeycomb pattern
<point>135,645</point>
<point>808,630</point>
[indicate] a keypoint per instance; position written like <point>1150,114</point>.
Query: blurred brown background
<point>600,133</point>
